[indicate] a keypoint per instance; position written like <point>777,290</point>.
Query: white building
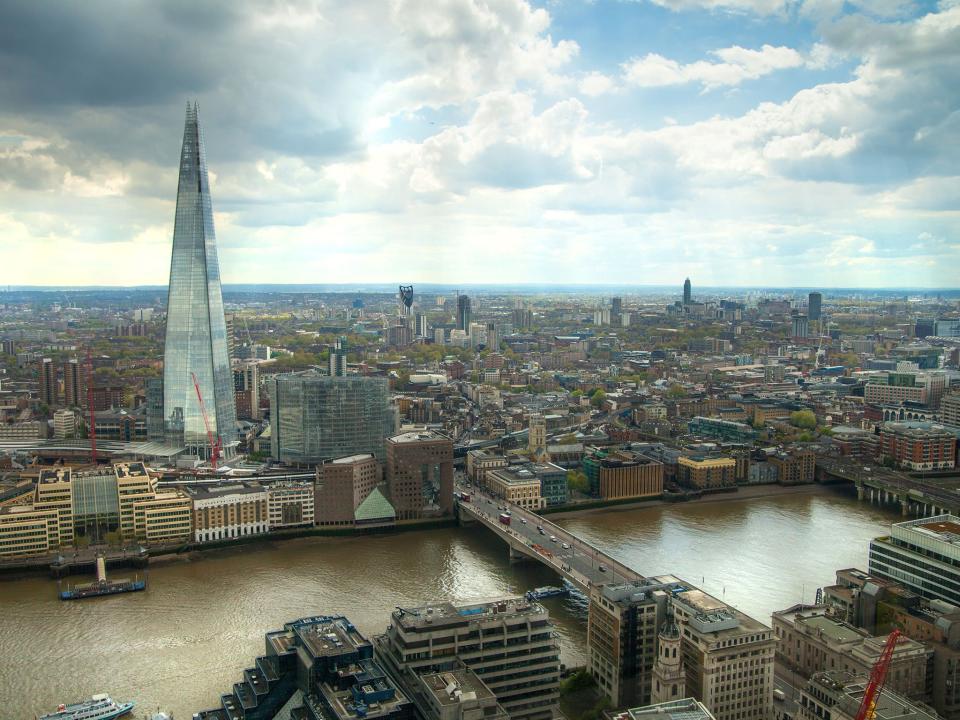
<point>290,504</point>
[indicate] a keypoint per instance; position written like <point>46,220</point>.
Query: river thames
<point>186,640</point>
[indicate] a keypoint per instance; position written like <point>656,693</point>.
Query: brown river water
<point>187,639</point>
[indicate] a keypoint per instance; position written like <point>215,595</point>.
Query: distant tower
<point>616,307</point>
<point>493,337</point>
<point>537,439</point>
<point>338,358</point>
<point>687,292</point>
<point>48,383</point>
<point>463,313</point>
<point>668,673</point>
<point>196,333</point>
<point>801,328</point>
<point>814,301</point>
<point>72,392</point>
<point>405,299</point>
<point>422,326</point>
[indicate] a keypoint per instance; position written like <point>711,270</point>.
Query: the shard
<point>196,339</point>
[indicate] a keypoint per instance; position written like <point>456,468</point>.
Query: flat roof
<point>455,686</point>
<point>352,459</point>
<point>446,613</point>
<point>417,436</point>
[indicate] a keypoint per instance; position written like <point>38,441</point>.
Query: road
<point>576,559</point>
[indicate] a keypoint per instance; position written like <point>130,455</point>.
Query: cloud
<point>736,65</point>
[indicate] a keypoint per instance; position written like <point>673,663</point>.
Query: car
<point>540,530</point>
<point>523,520</point>
<point>566,546</point>
<point>553,538</point>
<point>602,568</point>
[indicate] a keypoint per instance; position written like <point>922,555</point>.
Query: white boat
<point>99,707</point>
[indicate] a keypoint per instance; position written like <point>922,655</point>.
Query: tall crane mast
<point>878,676</point>
<point>214,444</point>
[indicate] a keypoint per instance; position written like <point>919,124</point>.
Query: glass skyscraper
<point>196,339</point>
<point>316,417</point>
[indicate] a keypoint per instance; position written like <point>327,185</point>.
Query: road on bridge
<point>579,561</point>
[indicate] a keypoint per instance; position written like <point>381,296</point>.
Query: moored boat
<point>98,707</point>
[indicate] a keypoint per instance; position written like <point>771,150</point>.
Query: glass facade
<point>96,506</point>
<point>196,336</point>
<point>315,417</point>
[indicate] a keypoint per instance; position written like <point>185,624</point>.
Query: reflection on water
<point>186,640</point>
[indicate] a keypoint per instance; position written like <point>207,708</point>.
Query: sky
<point>737,142</point>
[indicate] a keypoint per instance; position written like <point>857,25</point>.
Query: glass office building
<point>196,339</point>
<point>315,417</point>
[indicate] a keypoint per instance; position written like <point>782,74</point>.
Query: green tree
<point>804,419</point>
<point>598,397</point>
<point>577,481</point>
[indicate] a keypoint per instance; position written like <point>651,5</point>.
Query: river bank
<point>748,492</point>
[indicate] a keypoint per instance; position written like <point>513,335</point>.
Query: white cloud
<point>596,84</point>
<point>736,65</point>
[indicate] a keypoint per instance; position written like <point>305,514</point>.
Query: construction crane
<point>93,419</point>
<point>878,676</point>
<point>215,445</point>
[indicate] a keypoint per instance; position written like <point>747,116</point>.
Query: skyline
<point>810,142</point>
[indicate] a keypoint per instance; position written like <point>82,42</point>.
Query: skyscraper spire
<point>196,336</point>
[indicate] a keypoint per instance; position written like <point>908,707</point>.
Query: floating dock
<point>101,586</point>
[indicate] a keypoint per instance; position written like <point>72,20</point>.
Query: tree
<point>598,397</point>
<point>676,391</point>
<point>804,419</point>
<point>577,481</point>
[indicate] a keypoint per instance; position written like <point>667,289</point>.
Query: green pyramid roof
<point>375,507</point>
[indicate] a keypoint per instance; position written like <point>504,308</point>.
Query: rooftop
<point>686,709</point>
<point>419,436</point>
<point>352,459</point>
<point>456,686</point>
<point>446,613</point>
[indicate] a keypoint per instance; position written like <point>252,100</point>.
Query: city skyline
<point>810,143</point>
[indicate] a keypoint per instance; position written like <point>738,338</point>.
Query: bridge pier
<point>904,507</point>
<point>517,557</point>
<point>860,492</point>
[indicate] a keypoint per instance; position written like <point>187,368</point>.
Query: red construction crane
<point>878,676</point>
<point>93,419</point>
<point>214,444</point>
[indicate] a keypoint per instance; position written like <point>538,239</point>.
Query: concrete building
<point>725,430</point>
<point>47,383</point>
<point>64,424</point>
<point>246,388</point>
<point>918,446</point>
<point>707,473</point>
<point>290,504</point>
<point>685,709</point>
<point>315,668</point>
<point>520,487</point>
<point>810,640</point>
<point>456,694</point>
<point>420,474</point>
<point>800,326</point>
<point>837,695</point>
<point>342,486</point>
<point>430,639</point>
<point>950,408</point>
<point>223,512</point>
<point>620,474</point>
<point>922,555</point>
<point>73,385</point>
<point>480,462</point>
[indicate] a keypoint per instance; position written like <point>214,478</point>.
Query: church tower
<point>668,673</point>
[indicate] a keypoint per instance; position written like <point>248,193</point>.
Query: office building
<point>687,292</point>
<point>810,640</point>
<point>950,408</point>
<point>725,430</point>
<point>493,337</point>
<point>814,305</point>
<point>800,326</point>
<point>421,325</point>
<point>707,473</point>
<point>315,668</point>
<point>348,493</point>
<point>433,638</point>
<point>455,694</point>
<point>8,347</point>
<point>73,385</point>
<point>684,709</point>
<point>918,446</point>
<point>520,487</point>
<point>463,313</point>
<point>47,383</point>
<point>620,474</point>
<point>338,358</point>
<point>947,327</point>
<point>420,474</point>
<point>616,307</point>
<point>480,462</point>
<point>922,555</point>
<point>64,424</point>
<point>837,695</point>
<point>223,512</point>
<point>246,389</point>
<point>196,335</point>
<point>405,300</point>
<point>314,417</point>
<point>290,504</point>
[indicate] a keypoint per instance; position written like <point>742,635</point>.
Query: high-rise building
<point>493,337</point>
<point>338,358</point>
<point>72,384</point>
<point>814,303</point>
<point>616,307</point>
<point>347,493</point>
<point>196,334</point>
<point>48,383</point>
<point>801,328</point>
<point>422,326</point>
<point>405,300</point>
<point>687,292</point>
<point>420,474</point>
<point>922,555</point>
<point>463,313</point>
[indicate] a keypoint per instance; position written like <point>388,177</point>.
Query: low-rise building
<point>342,485</point>
<point>922,555</point>
<point>837,695</point>
<point>918,445</point>
<point>796,467</point>
<point>290,504</point>
<point>224,512</point>
<point>479,462</point>
<point>518,486</point>
<point>707,473</point>
<point>621,474</point>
